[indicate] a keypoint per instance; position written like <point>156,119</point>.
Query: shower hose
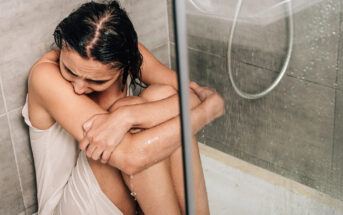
<point>284,67</point>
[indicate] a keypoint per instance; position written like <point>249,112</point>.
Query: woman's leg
<point>201,199</point>
<point>174,163</point>
<point>154,191</point>
<point>113,186</point>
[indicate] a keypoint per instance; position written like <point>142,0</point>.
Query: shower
<point>209,7</point>
<point>247,95</point>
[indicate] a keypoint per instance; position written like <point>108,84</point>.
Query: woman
<point>78,93</point>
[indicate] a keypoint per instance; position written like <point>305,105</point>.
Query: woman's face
<point>86,75</point>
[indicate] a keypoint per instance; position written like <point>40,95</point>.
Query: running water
<point>133,194</point>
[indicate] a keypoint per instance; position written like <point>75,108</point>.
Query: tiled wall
<point>296,130</point>
<point>26,33</point>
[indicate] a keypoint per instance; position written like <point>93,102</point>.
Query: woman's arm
<point>154,72</point>
<point>142,114</point>
<point>146,148</point>
<point>51,92</point>
<point>56,96</point>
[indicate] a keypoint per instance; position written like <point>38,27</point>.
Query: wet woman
<point>79,96</point>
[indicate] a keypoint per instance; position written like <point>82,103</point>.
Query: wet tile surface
<point>288,132</point>
<point>314,55</point>
<point>316,38</point>
<point>11,201</point>
<point>337,165</point>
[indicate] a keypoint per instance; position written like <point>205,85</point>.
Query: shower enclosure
<point>295,130</point>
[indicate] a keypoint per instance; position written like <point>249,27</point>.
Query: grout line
<point>12,139</point>
<point>3,94</point>
<point>168,33</point>
<point>293,76</point>
<point>159,46</point>
<point>169,56</point>
<point>15,157</point>
<point>339,53</point>
<point>16,109</point>
<point>213,16</point>
<point>199,50</point>
<point>270,177</point>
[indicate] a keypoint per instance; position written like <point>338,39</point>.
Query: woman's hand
<point>213,102</point>
<point>102,133</point>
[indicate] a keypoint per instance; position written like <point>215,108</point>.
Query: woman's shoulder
<point>45,66</point>
<point>51,57</point>
<point>44,81</point>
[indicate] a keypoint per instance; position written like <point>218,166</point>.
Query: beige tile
<point>11,201</point>
<point>150,21</point>
<point>14,79</point>
<point>162,54</point>
<point>23,151</point>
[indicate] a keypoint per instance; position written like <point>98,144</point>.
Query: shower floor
<point>236,187</point>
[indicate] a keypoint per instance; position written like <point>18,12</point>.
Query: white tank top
<point>55,154</point>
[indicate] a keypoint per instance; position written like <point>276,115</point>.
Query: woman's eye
<point>71,73</point>
<point>97,82</point>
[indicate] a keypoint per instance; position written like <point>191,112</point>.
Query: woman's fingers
<point>84,144</point>
<point>96,153</point>
<point>203,92</point>
<point>193,85</point>
<point>106,156</point>
<point>90,150</point>
<point>88,124</point>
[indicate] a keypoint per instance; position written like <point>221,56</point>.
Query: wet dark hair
<point>103,32</point>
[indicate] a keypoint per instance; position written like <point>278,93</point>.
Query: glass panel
<point>281,153</point>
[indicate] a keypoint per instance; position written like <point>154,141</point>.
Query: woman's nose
<point>80,86</point>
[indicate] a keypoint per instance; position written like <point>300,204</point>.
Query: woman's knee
<point>157,92</point>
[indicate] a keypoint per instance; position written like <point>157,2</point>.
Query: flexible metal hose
<point>286,63</point>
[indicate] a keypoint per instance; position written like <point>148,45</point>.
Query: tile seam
<point>168,33</point>
<point>339,54</point>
